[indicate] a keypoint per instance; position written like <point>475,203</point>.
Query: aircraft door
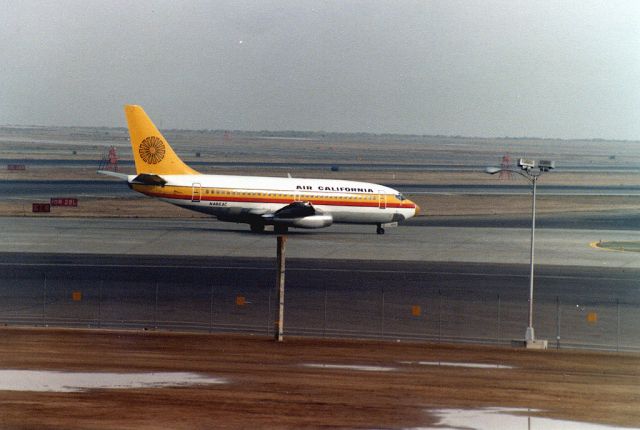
<point>382,200</point>
<point>196,191</point>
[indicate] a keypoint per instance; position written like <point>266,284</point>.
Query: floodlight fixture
<point>526,163</point>
<point>546,165</point>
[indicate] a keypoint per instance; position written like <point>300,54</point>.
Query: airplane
<point>257,201</point>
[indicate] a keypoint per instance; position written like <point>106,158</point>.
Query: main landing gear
<point>380,229</point>
<point>257,227</point>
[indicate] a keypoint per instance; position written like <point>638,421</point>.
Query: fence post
<point>100,303</point>
<point>557,322</point>
<point>44,301</point>
<point>439,316</point>
<point>617,325</point>
<point>382,315</point>
<point>211,309</point>
<point>499,321</point>
<point>324,322</point>
<point>269,318</point>
<point>155,310</point>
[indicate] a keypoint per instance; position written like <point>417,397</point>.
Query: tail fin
<point>151,151</point>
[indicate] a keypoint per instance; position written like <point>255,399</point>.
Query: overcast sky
<point>567,69</point>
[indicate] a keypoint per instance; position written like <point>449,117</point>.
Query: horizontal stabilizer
<point>148,179</point>
<point>114,174</point>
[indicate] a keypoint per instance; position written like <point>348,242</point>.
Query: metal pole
<point>532,175</point>
<point>279,335</point>
<point>499,321</point>
<point>324,323</point>
<point>530,335</point>
<point>382,315</point>
<point>439,316</point>
<point>44,301</point>
<point>100,303</point>
<point>211,310</point>
<point>269,313</point>
<point>155,310</point>
<point>617,325</point>
<point>557,322</point>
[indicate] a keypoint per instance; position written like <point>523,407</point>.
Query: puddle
<point>504,418</point>
<point>67,382</point>
<point>458,364</point>
<point>351,367</point>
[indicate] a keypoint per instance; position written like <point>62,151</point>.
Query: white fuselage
<point>238,198</point>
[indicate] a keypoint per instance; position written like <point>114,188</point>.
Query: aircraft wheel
<point>257,227</point>
<point>380,230</point>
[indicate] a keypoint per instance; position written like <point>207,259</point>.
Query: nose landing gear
<point>380,229</point>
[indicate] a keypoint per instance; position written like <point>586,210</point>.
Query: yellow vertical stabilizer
<point>151,151</point>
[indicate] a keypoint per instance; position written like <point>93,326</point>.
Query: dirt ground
<point>268,385</point>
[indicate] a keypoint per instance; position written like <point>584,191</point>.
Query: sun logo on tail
<point>152,150</point>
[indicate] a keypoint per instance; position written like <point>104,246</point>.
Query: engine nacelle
<point>311,221</point>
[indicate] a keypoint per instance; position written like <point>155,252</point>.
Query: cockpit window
<point>400,197</point>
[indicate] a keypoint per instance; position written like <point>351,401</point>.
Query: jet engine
<point>299,214</point>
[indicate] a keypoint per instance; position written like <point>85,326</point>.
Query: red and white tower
<point>505,165</point>
<point>110,160</point>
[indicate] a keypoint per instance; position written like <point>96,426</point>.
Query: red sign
<point>16,167</point>
<point>41,207</point>
<point>64,201</point>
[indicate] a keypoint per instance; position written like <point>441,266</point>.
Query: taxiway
<point>207,237</point>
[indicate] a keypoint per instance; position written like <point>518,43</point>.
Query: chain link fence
<point>408,311</point>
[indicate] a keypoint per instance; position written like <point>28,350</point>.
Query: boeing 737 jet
<point>257,201</point>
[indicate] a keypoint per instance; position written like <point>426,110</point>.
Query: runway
<point>604,220</point>
<point>208,237</point>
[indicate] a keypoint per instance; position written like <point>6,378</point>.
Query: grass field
<point>620,246</point>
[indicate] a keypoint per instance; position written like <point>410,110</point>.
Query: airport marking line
<point>312,269</point>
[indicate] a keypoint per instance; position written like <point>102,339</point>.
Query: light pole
<point>531,171</point>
